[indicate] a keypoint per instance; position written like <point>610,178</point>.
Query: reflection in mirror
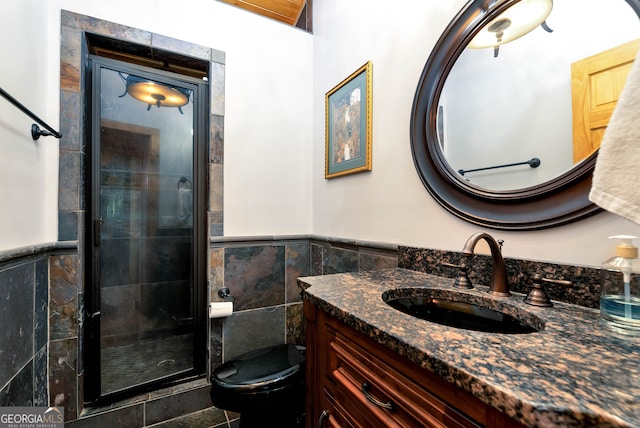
<point>516,106</point>
<point>515,22</point>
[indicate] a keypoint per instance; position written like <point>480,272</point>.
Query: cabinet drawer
<point>374,386</point>
<point>352,378</point>
<point>340,413</point>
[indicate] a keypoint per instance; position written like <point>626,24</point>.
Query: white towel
<point>185,201</point>
<point>616,178</point>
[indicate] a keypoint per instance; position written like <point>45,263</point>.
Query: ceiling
<point>288,11</point>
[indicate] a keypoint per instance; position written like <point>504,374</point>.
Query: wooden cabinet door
<point>596,84</point>
<point>355,382</point>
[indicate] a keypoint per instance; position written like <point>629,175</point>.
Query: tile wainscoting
<point>45,363</point>
<point>261,274</point>
<point>24,309</point>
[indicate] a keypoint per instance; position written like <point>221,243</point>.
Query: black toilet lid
<point>261,367</point>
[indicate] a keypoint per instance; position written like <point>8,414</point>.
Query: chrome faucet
<point>499,285</point>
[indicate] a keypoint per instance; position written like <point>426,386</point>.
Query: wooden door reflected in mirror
<point>596,85</point>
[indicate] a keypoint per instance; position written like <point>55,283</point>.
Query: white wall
<point>267,151</point>
<point>389,204</point>
<point>275,88</point>
<point>28,169</point>
<point>268,118</point>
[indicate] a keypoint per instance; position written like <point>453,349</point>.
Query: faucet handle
<point>538,296</point>
<point>462,281</point>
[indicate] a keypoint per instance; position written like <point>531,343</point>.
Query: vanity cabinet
<point>353,381</point>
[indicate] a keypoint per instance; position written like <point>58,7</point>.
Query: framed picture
<point>348,125</point>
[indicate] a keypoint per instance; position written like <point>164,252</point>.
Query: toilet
<point>265,386</point>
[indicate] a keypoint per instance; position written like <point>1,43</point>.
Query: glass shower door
<point>143,206</point>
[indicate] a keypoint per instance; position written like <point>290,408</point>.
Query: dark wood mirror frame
<point>556,202</point>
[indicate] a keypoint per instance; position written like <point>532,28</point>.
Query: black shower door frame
<point>94,393</point>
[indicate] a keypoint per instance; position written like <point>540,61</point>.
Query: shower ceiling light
<point>513,23</point>
<point>157,94</point>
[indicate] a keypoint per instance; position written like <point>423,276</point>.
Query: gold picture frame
<point>348,125</point>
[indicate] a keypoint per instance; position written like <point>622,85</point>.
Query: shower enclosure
<point>146,304</point>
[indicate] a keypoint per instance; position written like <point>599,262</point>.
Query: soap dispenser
<point>620,298</point>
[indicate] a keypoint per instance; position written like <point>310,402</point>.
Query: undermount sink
<point>459,314</point>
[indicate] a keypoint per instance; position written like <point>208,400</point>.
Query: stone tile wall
<point>261,276</point>
<point>23,341</point>
<point>65,333</point>
<point>585,289</point>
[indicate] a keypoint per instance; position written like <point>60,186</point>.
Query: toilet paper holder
<point>225,294</point>
<point>222,309</point>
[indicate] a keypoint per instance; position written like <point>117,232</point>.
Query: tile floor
<point>142,361</point>
<point>207,418</point>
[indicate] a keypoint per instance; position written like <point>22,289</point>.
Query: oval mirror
<point>503,132</point>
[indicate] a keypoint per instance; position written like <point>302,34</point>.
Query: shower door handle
<point>96,231</point>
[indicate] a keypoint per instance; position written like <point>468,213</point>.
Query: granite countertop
<point>574,372</point>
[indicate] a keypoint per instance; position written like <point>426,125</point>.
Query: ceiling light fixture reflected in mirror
<point>513,23</point>
<point>153,93</point>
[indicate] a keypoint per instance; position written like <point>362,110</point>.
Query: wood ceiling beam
<point>287,11</point>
